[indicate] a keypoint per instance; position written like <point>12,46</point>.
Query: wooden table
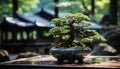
<point>49,62</point>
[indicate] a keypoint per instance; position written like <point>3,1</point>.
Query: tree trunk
<point>56,10</point>
<point>15,7</point>
<point>113,11</point>
<point>92,6</point>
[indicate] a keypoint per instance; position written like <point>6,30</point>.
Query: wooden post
<point>118,17</point>
<point>56,9</point>
<point>92,6</point>
<point>15,7</point>
<point>113,11</point>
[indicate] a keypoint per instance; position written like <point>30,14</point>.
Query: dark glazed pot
<point>69,55</point>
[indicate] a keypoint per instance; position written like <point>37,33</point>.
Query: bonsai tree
<point>71,31</point>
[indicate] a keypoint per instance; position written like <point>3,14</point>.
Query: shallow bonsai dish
<point>69,55</point>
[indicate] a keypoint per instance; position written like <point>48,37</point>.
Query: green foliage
<point>76,18</point>
<point>76,6</point>
<point>101,9</point>
<point>25,6</point>
<point>66,31</point>
<point>94,39</point>
<point>69,6</point>
<point>29,6</point>
<point>5,8</point>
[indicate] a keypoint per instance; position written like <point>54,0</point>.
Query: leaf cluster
<point>71,31</point>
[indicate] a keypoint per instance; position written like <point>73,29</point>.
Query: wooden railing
<point>15,36</point>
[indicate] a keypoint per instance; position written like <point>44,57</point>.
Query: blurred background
<point>96,9</point>
<point>23,22</point>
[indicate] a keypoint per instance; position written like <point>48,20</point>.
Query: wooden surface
<point>49,62</point>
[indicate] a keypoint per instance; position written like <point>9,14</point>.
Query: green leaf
<point>65,37</point>
<point>87,40</point>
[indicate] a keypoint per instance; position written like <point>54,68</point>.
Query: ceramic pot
<point>69,55</point>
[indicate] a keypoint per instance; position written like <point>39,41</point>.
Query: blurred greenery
<point>29,6</point>
<point>33,6</point>
<point>71,6</point>
<point>101,9</point>
<point>5,8</point>
<point>25,6</point>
